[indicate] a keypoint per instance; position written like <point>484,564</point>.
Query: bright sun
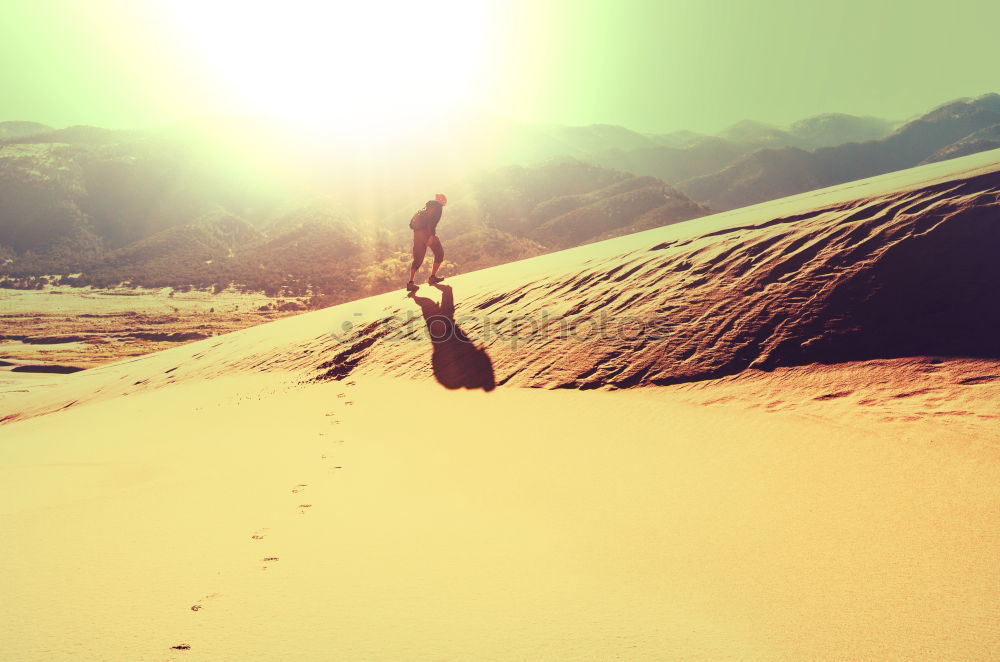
<point>369,69</point>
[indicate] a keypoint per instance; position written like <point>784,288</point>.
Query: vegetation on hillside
<point>155,214</point>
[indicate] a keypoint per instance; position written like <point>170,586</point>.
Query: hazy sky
<point>651,65</point>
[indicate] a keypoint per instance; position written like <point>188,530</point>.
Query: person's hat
<point>441,198</point>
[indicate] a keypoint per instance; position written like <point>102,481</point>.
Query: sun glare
<point>367,70</point>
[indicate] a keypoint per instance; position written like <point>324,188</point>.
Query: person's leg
<point>438,251</point>
<point>419,251</point>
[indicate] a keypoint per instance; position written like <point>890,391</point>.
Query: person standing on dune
<point>424,226</point>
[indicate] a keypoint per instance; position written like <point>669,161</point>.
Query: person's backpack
<point>419,220</point>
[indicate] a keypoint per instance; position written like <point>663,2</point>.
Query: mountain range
<point>267,206</point>
<point>955,129</point>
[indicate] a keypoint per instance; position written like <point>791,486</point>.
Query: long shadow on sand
<point>457,361</point>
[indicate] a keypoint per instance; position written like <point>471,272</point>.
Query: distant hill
<point>10,130</point>
<point>837,128</point>
<point>749,131</point>
<point>155,213</point>
<point>572,203</point>
<point>701,155</point>
<point>80,134</point>
<point>978,141</point>
<point>175,256</point>
<point>688,156</point>
<point>106,194</point>
<point>818,131</point>
<point>666,156</point>
<point>770,173</point>
<point>675,138</point>
<point>270,206</point>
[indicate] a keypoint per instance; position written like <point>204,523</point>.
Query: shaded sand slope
<point>899,274</point>
<point>902,264</point>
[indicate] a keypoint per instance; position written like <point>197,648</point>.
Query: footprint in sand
<point>268,559</point>
<point>303,506</point>
<point>259,534</point>
<point>181,647</point>
<point>299,488</point>
<point>198,606</point>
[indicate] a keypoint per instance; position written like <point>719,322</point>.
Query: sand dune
<point>894,266</point>
<point>365,482</point>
